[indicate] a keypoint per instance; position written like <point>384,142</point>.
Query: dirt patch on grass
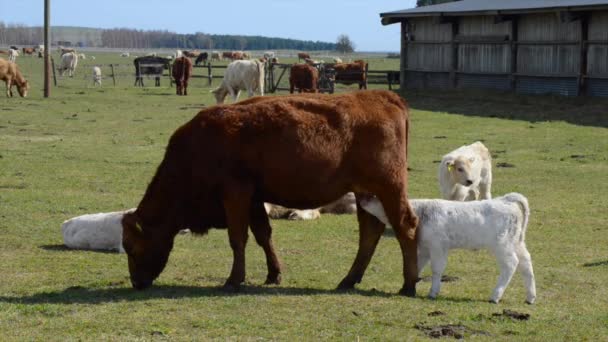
<point>518,316</point>
<point>456,331</point>
<point>444,278</point>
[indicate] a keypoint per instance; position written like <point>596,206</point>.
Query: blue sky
<point>298,19</point>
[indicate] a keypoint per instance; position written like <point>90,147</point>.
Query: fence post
<point>209,73</point>
<point>53,66</point>
<point>113,74</point>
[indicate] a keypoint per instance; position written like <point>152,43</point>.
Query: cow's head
<point>462,170</point>
<point>23,88</point>
<point>220,94</point>
<point>147,249</point>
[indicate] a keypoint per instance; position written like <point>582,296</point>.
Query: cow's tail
<point>522,202</point>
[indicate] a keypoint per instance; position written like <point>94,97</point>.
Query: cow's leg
<point>404,223</point>
<point>424,256</point>
<point>485,191</point>
<point>507,261</point>
<point>9,93</point>
<point>185,88</point>
<point>525,268</point>
<point>237,202</point>
<point>262,231</point>
<point>370,231</point>
<point>439,260</point>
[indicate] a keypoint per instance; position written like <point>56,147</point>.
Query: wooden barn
<point>527,46</point>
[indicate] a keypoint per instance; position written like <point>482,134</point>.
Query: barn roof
<point>492,7</point>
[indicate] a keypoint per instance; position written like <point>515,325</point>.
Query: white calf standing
<point>101,231</point>
<point>240,75</point>
<point>498,225</point>
<point>96,76</point>
<point>465,174</point>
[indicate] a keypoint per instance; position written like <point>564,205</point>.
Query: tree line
<point>16,34</point>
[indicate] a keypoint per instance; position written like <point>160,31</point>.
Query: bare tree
<point>344,44</point>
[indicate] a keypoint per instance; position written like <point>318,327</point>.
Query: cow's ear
<point>472,159</point>
<point>450,165</point>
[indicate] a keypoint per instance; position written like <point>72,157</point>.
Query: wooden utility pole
<point>47,48</point>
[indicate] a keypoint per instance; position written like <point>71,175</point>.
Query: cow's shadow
<point>83,295</point>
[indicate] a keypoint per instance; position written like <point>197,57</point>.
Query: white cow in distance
<point>12,55</point>
<point>241,75</point>
<point>465,174</point>
<point>498,225</point>
<point>96,76</point>
<point>69,61</point>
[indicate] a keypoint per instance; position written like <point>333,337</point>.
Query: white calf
<point>12,55</point>
<point>344,205</point>
<point>101,231</point>
<point>465,174</point>
<point>498,225</point>
<point>241,75</point>
<point>97,75</point>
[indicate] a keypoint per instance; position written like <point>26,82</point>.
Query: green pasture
<point>88,150</point>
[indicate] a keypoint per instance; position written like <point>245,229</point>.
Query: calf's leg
<point>525,268</point>
<point>439,260</point>
<point>507,261</point>
<point>262,231</point>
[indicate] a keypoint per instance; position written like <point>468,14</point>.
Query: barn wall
<point>430,48</point>
<point>480,57</point>
<point>597,58</point>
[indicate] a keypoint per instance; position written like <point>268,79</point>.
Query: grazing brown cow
<point>298,151</point>
<point>303,77</point>
<point>303,55</point>
<point>181,72</point>
<point>350,73</point>
<point>10,74</point>
<point>227,54</point>
<point>28,51</point>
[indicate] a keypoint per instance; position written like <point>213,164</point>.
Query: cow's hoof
<point>346,285</point>
<point>231,288</point>
<point>493,301</point>
<point>408,292</point>
<point>273,280</point>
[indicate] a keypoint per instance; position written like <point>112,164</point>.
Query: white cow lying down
<point>344,205</point>
<point>498,225</point>
<point>465,174</point>
<point>102,231</point>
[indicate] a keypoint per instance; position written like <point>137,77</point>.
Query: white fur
<point>102,231</point>
<point>97,75</point>
<point>12,55</point>
<point>125,54</point>
<point>344,205</point>
<point>241,75</point>
<point>69,61</point>
<point>465,174</point>
<point>498,225</point>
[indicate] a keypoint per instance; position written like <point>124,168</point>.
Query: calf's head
<point>147,250</point>
<point>23,88</point>
<point>463,170</point>
<point>220,94</point>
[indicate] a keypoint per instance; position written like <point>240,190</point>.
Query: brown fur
<point>299,151</point>
<point>302,55</point>
<point>350,73</point>
<point>28,51</point>
<point>10,74</point>
<point>181,72</point>
<point>303,77</point>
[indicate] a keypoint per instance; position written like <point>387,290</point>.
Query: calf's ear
<point>450,165</point>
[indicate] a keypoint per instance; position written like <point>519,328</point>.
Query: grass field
<point>87,150</point>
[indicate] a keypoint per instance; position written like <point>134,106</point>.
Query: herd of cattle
<point>243,73</point>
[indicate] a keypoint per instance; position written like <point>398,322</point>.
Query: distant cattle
<point>82,56</point>
<point>216,56</point>
<point>63,51</point>
<point>203,57</point>
<point>149,66</point>
<point>28,51</point>
<point>191,54</point>
<point>345,205</point>
<point>220,167</point>
<point>12,55</point>
<point>10,74</point>
<point>269,54</point>
<point>304,78</point>
<point>96,76</point>
<point>352,73</point>
<point>69,62</point>
<point>125,54</point>
<point>181,72</point>
<point>302,55</point>
<point>241,75</point>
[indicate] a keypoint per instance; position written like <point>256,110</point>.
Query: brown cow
<point>181,72</point>
<point>10,74</point>
<point>303,55</point>
<point>28,51</point>
<point>220,168</point>
<point>303,77</point>
<point>349,73</point>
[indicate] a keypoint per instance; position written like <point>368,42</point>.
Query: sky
<point>321,20</point>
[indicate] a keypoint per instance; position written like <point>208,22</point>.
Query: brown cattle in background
<point>10,74</point>
<point>303,77</point>
<point>352,73</point>
<point>181,72</point>
<point>298,151</point>
<point>28,51</point>
<point>303,55</point>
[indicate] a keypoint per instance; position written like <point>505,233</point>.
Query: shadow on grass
<point>64,248</point>
<point>82,295</point>
<point>597,263</point>
<point>584,111</point>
